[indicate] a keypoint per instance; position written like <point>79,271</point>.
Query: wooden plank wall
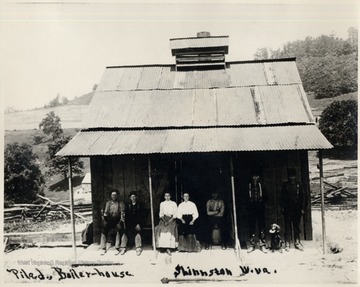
<point>274,168</point>
<point>97,187</point>
<point>128,173</point>
<point>305,179</point>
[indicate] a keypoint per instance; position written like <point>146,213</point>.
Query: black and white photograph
<point>179,142</point>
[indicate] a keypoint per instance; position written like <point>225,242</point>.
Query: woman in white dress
<point>187,214</point>
<point>166,235</point>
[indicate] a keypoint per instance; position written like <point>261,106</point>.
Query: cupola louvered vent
<point>204,52</point>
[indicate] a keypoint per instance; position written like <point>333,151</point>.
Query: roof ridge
<point>289,59</point>
<point>156,128</point>
<point>186,38</point>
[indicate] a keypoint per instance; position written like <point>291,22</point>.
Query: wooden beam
<point>236,235</point>
<point>43,237</point>
<point>63,207</point>
<point>176,183</point>
<point>322,200</point>
<point>42,209</point>
<point>73,232</point>
<point>151,206</point>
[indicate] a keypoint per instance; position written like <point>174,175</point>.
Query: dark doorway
<point>200,175</point>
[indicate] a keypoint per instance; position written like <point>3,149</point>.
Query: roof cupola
<point>204,52</point>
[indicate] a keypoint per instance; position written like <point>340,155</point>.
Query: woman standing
<point>187,214</point>
<point>166,235</point>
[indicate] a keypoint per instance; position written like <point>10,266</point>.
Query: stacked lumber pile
<point>336,195</point>
<point>48,211</point>
<point>340,182</point>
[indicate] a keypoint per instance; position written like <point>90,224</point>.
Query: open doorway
<point>200,175</point>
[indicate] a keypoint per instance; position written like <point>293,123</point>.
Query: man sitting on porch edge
<point>114,217</point>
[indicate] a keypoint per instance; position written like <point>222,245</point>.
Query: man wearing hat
<point>256,213</point>
<point>134,222</point>
<point>114,217</point>
<point>215,208</point>
<point>292,205</point>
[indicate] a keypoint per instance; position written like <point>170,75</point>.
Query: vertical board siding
<point>96,195</point>
<point>127,173</point>
<point>305,179</point>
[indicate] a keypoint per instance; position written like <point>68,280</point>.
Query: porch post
<point>322,199</point>
<point>72,210</point>
<point>151,206</point>
<point>237,242</point>
<point>176,183</point>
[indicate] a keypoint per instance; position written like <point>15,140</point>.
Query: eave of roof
<point>277,138</point>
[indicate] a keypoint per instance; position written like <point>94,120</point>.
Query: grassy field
<point>318,105</point>
<point>70,115</point>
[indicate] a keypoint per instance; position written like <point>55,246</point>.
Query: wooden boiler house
<point>197,125</point>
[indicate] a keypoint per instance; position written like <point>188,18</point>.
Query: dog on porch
<point>276,242</point>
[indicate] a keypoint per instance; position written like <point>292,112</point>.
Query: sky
<point>63,48</point>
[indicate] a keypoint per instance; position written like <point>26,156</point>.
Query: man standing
<point>292,205</point>
<point>215,208</point>
<point>256,213</point>
<point>114,217</point>
<point>134,222</point>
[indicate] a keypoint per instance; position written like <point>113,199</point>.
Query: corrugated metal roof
<point>183,43</point>
<point>165,77</point>
<point>260,105</point>
<point>91,143</point>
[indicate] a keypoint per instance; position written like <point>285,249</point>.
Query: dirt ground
<point>295,267</point>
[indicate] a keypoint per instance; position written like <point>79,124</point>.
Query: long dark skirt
<point>187,238</point>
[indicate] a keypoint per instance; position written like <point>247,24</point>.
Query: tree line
<point>57,101</point>
<point>327,64</point>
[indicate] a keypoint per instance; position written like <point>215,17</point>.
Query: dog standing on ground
<point>276,242</point>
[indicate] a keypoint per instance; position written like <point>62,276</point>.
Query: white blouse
<point>168,208</point>
<point>187,208</point>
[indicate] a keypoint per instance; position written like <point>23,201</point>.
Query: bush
<point>23,178</point>
<point>37,139</point>
<point>338,123</point>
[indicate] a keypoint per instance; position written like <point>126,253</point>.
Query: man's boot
<point>287,246</point>
<point>298,245</point>
<point>252,244</point>
<point>103,244</point>
<point>263,242</point>
<point>120,251</point>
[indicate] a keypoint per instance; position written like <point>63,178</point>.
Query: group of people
<point>126,220</point>
<point>176,225</point>
<point>176,230</point>
<point>292,205</point>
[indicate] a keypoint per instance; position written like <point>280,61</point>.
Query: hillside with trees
<point>327,64</point>
<point>31,164</point>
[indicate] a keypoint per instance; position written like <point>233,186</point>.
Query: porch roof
<point>225,139</point>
